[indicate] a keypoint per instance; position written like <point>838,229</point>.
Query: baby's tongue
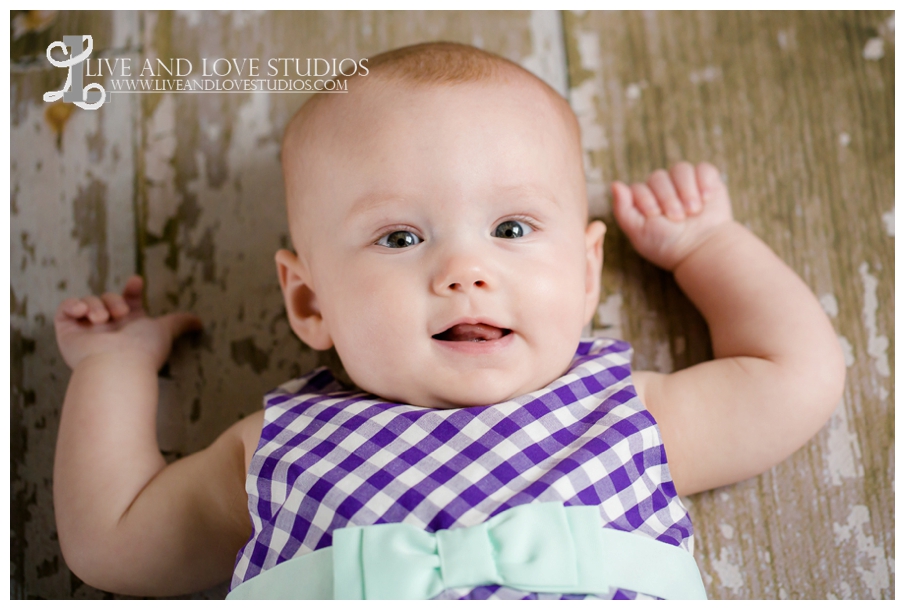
<point>472,332</point>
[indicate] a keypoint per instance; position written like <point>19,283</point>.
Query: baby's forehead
<point>370,99</point>
<point>391,118</point>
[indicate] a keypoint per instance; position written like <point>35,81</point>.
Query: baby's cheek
<point>555,303</point>
<point>375,334</point>
<point>557,287</point>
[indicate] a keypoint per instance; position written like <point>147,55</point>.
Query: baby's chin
<point>442,386</point>
<point>464,396</point>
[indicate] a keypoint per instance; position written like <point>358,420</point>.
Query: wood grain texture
<point>72,196</point>
<point>186,189</point>
<point>801,123</point>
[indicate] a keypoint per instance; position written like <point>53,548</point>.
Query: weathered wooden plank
<point>72,232</point>
<point>797,110</point>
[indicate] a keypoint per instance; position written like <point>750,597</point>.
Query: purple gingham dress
<point>331,457</point>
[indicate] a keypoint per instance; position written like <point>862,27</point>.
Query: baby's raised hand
<point>673,213</point>
<point>117,325</point>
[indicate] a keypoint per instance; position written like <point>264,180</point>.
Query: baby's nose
<point>461,273</point>
<point>476,284</point>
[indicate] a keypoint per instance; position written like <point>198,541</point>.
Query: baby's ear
<point>594,259</point>
<point>301,302</point>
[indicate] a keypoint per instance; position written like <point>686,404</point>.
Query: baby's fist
<point>673,213</point>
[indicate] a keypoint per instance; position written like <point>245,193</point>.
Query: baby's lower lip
<point>476,346</point>
<point>472,332</point>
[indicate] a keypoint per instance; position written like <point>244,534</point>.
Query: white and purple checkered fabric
<point>330,457</point>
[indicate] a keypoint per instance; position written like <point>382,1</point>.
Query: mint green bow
<point>541,547</point>
<point>534,547</point>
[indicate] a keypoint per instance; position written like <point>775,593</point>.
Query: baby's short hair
<point>436,63</point>
<point>432,63</point>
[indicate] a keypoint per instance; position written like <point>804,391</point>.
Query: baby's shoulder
<point>246,434</point>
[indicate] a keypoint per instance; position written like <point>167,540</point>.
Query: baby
<point>439,219</point>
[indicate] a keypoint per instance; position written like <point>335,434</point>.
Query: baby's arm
<point>778,371</point>
<point>127,522</point>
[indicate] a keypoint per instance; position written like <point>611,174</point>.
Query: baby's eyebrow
<point>379,199</point>
<point>373,201</point>
<point>530,191</point>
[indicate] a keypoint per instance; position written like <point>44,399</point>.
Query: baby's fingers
<point>645,200</point>
<point>709,179</point>
<point>72,308</point>
<point>686,184</point>
<point>662,186</point>
<point>116,305</point>
<point>90,308</point>
<point>97,311</point>
<point>627,215</point>
<point>132,291</point>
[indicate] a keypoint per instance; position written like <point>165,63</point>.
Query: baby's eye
<point>399,239</point>
<point>512,229</point>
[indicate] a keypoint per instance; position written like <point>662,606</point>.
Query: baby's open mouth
<point>472,332</point>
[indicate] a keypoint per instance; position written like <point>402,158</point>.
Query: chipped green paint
<point>156,27</point>
<point>185,219</point>
<point>244,351</point>
<point>158,44</point>
<point>17,307</point>
<point>89,211</point>
<point>28,245</point>
<point>22,492</point>
<point>14,195</point>
<point>577,73</point>
<point>204,253</point>
<point>49,567</point>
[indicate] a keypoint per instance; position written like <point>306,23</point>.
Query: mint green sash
<point>542,547</point>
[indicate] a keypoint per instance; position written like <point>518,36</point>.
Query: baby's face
<point>447,242</point>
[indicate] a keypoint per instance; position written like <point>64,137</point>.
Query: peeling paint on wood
<point>32,22</point>
<point>765,97</point>
<point>876,344</point>
<point>72,175</point>
<point>889,221</point>
<point>57,114</point>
